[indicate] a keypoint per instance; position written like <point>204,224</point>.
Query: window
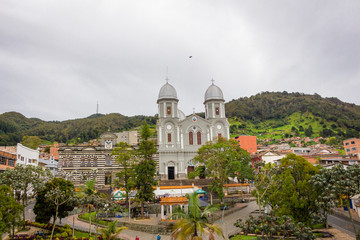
<point>217,111</point>
<point>353,149</point>
<point>347,143</point>
<point>168,110</point>
<point>352,142</point>
<point>11,162</point>
<point>198,138</point>
<point>108,179</point>
<point>191,138</point>
<point>2,161</point>
<point>348,149</point>
<point>169,137</point>
<point>108,160</point>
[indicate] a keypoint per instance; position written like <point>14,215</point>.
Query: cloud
<point>57,59</point>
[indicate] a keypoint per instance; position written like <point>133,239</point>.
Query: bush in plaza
<point>268,226</point>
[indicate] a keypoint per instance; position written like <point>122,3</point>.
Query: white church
<point>179,137</point>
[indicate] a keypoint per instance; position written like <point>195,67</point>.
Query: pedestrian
<point>158,237</point>
<point>211,234</point>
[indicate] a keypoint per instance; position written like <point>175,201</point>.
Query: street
<point>343,224</point>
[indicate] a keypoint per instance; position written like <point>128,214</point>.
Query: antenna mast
<point>97,107</point>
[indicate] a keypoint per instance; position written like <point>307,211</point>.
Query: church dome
<point>167,92</point>
<point>213,93</point>
<point>181,115</point>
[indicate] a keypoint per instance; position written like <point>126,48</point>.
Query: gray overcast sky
<point>58,58</point>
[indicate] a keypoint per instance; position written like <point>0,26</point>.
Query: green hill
<point>268,114</point>
<point>281,114</point>
<point>13,126</point>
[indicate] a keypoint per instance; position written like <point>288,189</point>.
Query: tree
<point>292,194</point>
<point>111,231</point>
<point>332,141</point>
<point>32,142</point>
<point>25,181</point>
<point>125,157</point>
<point>224,159</point>
<point>45,208</point>
<point>145,169</point>
<point>337,186</point>
<point>10,211</point>
<point>59,195</point>
<point>309,131</point>
<point>263,182</point>
<point>92,200</point>
<point>192,224</point>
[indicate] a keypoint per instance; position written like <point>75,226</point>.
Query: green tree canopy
<point>224,159</point>
<point>25,181</point>
<point>32,142</point>
<point>293,194</point>
<point>45,208</point>
<point>125,157</point>
<point>146,168</point>
<point>336,186</point>
<point>10,211</point>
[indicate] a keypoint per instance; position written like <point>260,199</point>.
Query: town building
<point>129,137</point>
<point>352,147</point>
<point>180,136</point>
<point>7,160</point>
<point>248,143</point>
<point>50,163</point>
<point>87,162</point>
<point>26,156</point>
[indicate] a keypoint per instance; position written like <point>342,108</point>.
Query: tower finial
<point>167,75</point>
<point>193,110</point>
<point>212,80</point>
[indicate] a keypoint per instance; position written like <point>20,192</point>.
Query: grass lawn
<point>79,234</point>
<point>85,217</point>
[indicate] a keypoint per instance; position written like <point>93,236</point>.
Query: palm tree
<point>192,224</point>
<point>111,231</point>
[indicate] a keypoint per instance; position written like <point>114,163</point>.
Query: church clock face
<point>168,127</point>
<point>108,144</point>
<point>218,126</point>
<point>194,119</point>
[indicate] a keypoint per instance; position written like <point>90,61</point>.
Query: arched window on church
<point>217,111</point>
<point>191,138</point>
<point>198,138</point>
<point>169,137</point>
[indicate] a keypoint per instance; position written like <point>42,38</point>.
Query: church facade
<point>179,137</point>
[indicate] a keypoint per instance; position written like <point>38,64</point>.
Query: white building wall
<point>26,156</point>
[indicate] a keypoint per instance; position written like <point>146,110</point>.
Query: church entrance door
<point>171,173</point>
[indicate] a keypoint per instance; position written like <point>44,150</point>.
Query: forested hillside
<point>286,113</point>
<point>13,126</point>
<point>268,114</point>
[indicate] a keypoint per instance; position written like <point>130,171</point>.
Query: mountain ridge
<point>248,115</point>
